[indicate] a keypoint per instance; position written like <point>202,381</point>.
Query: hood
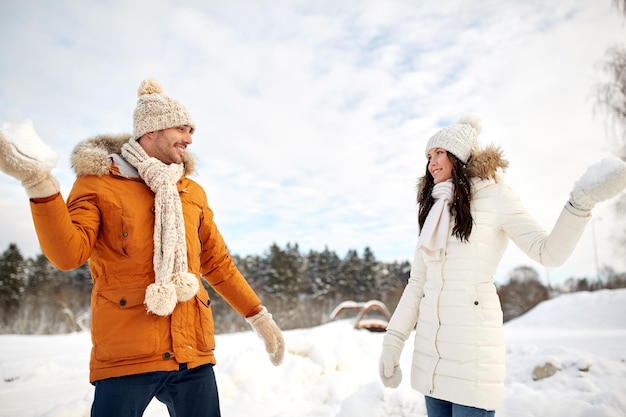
<point>92,156</point>
<point>486,162</point>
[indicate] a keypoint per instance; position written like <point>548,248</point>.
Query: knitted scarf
<point>172,281</point>
<point>434,234</point>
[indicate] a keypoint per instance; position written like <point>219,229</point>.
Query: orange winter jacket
<point>108,219</point>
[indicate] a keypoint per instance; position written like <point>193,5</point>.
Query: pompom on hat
<point>460,139</point>
<point>157,111</point>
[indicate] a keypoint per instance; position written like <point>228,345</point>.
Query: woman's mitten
<point>602,181</point>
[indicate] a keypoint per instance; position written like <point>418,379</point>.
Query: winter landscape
<point>331,370</point>
<point>312,118</point>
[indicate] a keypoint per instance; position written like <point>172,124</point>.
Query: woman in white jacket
<point>466,216</point>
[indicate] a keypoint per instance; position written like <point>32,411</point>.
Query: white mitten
<point>265,326</point>
<point>25,157</point>
<point>389,364</point>
<point>602,180</point>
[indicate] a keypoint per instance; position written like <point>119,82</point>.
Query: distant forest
<point>299,289</point>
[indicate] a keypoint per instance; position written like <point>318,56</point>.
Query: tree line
<point>300,289</point>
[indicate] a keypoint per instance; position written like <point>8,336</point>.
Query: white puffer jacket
<point>459,342</point>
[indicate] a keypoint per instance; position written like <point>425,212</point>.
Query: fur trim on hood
<point>93,155</point>
<point>486,162</point>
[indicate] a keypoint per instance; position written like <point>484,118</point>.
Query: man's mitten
<point>264,325</point>
<point>389,363</point>
<point>25,157</point>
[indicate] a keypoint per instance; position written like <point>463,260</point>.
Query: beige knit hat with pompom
<point>460,139</point>
<point>157,111</point>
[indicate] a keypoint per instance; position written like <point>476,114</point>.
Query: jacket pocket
<point>477,305</point>
<point>122,328</point>
<point>112,232</point>
<point>204,319</point>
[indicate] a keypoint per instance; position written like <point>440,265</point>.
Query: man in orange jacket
<point>149,235</point>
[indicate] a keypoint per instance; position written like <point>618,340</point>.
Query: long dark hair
<point>460,204</point>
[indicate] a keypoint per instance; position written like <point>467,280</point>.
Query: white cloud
<point>312,115</point>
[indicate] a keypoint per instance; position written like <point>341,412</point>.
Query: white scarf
<point>172,281</point>
<point>434,234</point>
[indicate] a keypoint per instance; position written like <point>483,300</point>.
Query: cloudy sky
<point>312,115</point>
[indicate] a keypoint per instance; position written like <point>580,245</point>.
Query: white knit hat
<point>459,139</point>
<point>157,111</point>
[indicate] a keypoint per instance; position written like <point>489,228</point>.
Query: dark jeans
<point>441,408</point>
<point>186,393</point>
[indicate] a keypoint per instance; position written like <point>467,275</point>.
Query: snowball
<point>598,172</point>
<point>27,142</point>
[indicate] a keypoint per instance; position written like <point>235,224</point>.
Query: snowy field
<point>331,370</point>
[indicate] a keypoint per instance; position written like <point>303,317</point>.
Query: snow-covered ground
<point>331,370</point>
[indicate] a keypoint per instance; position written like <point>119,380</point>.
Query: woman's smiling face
<point>439,165</point>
